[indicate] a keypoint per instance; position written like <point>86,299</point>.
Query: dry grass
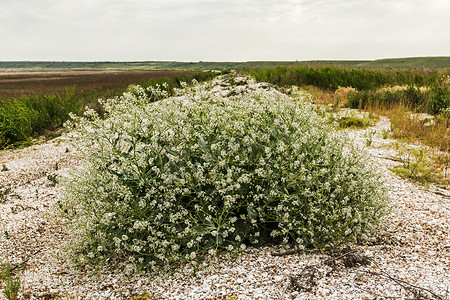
<point>340,95</point>
<point>338,98</point>
<point>320,96</point>
<point>430,130</point>
<point>411,127</point>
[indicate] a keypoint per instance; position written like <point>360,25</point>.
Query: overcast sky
<point>222,30</point>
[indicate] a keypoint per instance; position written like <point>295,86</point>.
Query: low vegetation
<point>423,165</point>
<point>353,122</point>
<point>432,131</point>
<point>25,118</point>
<point>333,77</point>
<point>9,282</point>
<point>404,95</point>
<point>180,179</point>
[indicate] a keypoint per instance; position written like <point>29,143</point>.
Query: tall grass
<point>333,77</point>
<point>431,100</point>
<point>431,131</point>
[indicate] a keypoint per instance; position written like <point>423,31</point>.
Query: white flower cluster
<point>200,173</point>
<point>445,112</point>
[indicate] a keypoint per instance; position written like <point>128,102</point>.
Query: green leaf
<point>252,213</point>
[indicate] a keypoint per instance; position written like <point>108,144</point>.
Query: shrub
<point>184,177</point>
<point>25,118</point>
<point>15,122</point>
<point>440,100</point>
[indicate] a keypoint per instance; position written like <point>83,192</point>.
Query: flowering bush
<point>200,173</point>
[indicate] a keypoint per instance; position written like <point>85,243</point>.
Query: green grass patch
<point>352,122</point>
<point>10,283</point>
<point>25,118</point>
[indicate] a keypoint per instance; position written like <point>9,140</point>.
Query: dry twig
<point>414,289</point>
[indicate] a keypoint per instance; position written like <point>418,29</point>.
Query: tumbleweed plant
<point>201,173</point>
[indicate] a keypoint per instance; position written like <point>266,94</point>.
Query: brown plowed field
<point>16,83</point>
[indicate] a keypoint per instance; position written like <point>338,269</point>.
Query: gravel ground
<point>409,260</point>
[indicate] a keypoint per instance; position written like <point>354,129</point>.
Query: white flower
<point>142,203</point>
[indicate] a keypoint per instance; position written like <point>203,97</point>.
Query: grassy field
<point>333,77</point>
<point>164,65</point>
<point>401,94</point>
<point>17,83</point>
<point>410,62</point>
<point>415,62</point>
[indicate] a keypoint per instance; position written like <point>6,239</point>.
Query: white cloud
<point>222,30</point>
